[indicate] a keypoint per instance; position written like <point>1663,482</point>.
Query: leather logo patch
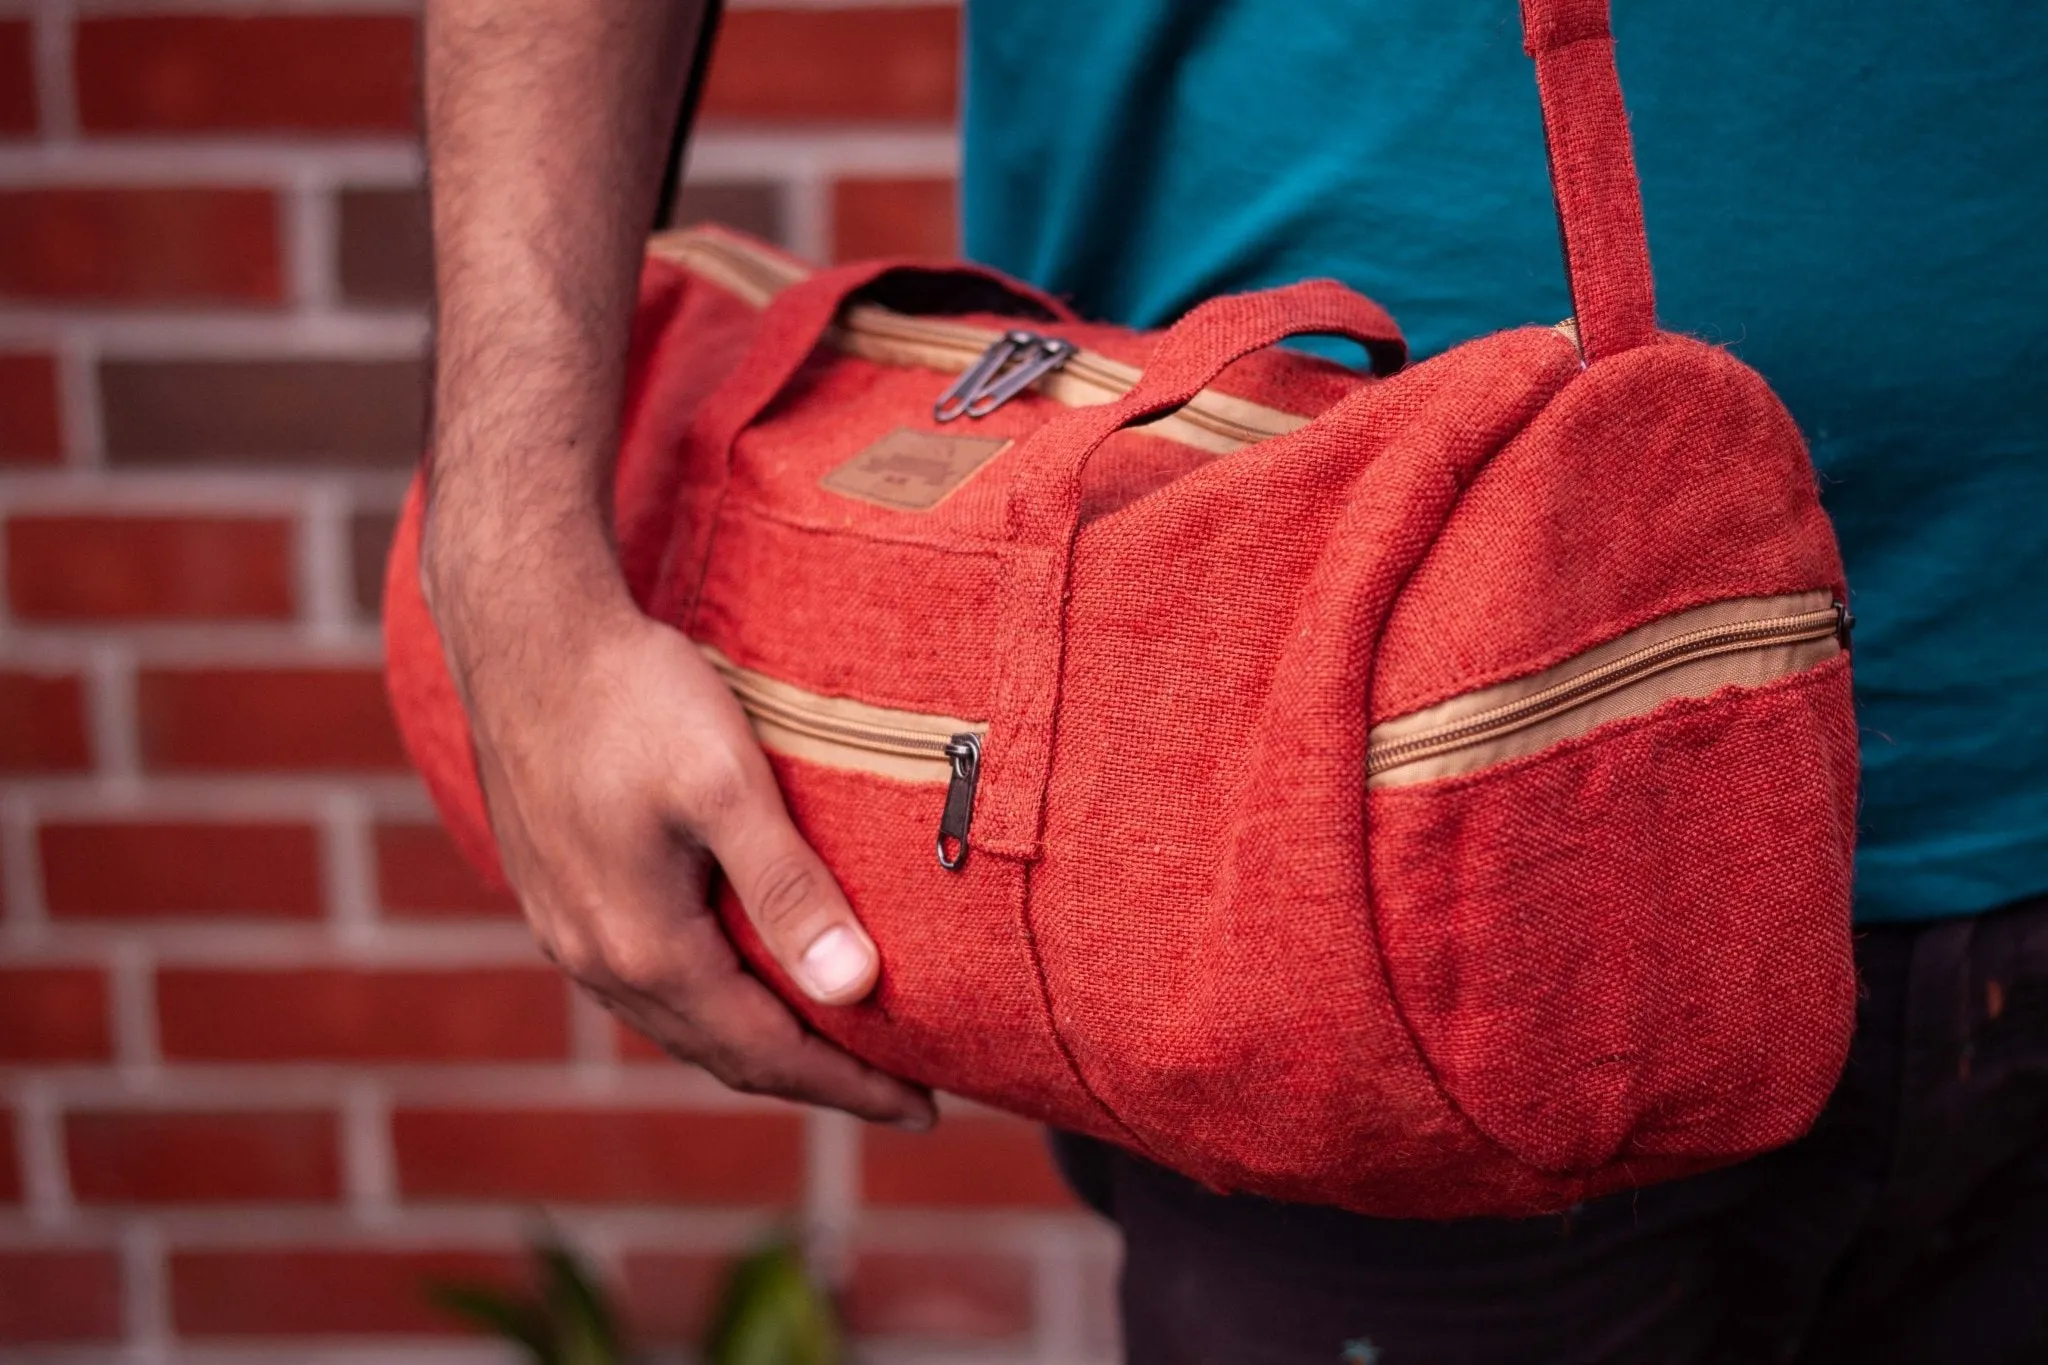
<point>912,471</point>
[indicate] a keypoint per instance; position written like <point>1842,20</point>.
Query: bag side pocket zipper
<point>1744,642</point>
<point>838,732</point>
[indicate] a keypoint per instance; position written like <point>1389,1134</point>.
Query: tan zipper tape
<point>1745,642</point>
<point>839,732</point>
<point>1215,422</point>
<point>755,276</point>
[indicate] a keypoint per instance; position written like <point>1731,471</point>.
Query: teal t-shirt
<point>1852,196</point>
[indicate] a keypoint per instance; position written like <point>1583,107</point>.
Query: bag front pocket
<point>886,796</point>
<point>838,732</point>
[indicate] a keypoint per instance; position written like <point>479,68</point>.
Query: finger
<point>791,898</point>
<point>735,1028</point>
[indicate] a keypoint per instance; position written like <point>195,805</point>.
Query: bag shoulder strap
<point>686,115</point>
<point>1592,174</point>
<point>1592,167</point>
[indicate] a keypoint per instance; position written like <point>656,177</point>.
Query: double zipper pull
<point>964,753</point>
<point>1039,358</point>
<point>1012,363</point>
<point>964,390</point>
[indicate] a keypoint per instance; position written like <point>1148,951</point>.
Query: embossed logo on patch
<point>912,470</point>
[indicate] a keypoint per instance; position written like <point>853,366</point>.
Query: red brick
<point>51,1295</point>
<point>883,64</point>
<point>983,1162</point>
<point>275,1292</point>
<point>140,245</point>
<point>53,1014</point>
<point>17,78</point>
<point>42,723</point>
<point>10,1160</point>
<point>188,73</point>
<point>30,429</point>
<point>166,413</point>
<point>420,872</point>
<point>635,1046</point>
<point>68,568</point>
<point>334,1014</point>
<point>148,567</point>
<point>163,1158</point>
<point>239,719</point>
<point>949,1297</point>
<point>599,1156</point>
<point>894,218</point>
<point>180,868</point>
<point>383,252</point>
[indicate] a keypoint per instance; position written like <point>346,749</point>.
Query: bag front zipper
<point>1754,641</point>
<point>841,733</point>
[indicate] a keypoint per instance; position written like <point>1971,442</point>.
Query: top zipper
<point>1216,422</point>
<point>1212,421</point>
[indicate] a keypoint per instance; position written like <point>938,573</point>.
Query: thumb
<point>794,903</point>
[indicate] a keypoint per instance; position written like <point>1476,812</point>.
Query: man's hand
<point>615,764</point>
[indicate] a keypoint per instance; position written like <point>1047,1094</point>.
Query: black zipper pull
<point>1012,363</point>
<point>964,753</point>
<point>1038,358</point>
<point>964,390</point>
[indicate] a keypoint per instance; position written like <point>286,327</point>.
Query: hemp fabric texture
<point>1187,923</point>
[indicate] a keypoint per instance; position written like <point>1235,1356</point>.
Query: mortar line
<point>312,233</point>
<point>113,712</point>
<point>39,1132</point>
<point>348,857</point>
<point>137,1049</point>
<point>56,99</point>
<point>78,402</point>
<point>322,561</point>
<point>146,1299</point>
<point>21,872</point>
<point>369,1163</point>
<point>831,1207</point>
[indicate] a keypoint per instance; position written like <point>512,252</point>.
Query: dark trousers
<point>1910,1226</point>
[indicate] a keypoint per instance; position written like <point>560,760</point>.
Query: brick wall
<point>268,1057</point>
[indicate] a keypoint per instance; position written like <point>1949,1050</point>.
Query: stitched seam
<point>1059,1038</point>
<point>1423,1061</point>
<point>959,543</point>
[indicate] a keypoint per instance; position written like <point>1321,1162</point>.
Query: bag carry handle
<point>1592,174</point>
<point>1044,518</point>
<point>1045,502</point>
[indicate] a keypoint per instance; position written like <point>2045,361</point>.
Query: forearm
<point>546,122</point>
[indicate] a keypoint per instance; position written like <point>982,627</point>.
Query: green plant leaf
<point>506,1315</point>
<point>772,1314</point>
<point>586,1328</point>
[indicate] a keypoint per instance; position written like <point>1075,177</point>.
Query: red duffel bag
<point>1430,792</point>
